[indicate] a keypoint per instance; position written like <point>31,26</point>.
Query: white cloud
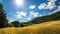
<point>34,14</point>
<point>59,2</point>
<point>50,5</point>
<point>42,6</point>
<point>40,15</point>
<point>11,20</point>
<point>32,7</point>
<point>58,9</point>
<point>29,18</point>
<point>21,14</point>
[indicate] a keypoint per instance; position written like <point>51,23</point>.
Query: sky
<point>26,10</point>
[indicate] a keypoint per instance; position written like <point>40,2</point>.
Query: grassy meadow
<point>51,27</point>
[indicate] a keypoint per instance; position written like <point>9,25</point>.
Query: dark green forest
<point>4,20</point>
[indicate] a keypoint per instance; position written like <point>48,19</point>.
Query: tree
<point>15,23</point>
<point>3,19</point>
<point>10,25</point>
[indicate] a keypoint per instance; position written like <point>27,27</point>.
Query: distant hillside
<point>55,16</point>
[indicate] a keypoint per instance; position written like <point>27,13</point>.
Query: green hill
<point>51,27</point>
<point>55,16</point>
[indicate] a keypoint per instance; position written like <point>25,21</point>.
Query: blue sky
<point>25,10</point>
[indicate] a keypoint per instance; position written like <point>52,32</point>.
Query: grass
<point>52,27</point>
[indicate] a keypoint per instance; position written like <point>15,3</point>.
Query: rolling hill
<point>51,27</point>
<point>55,16</point>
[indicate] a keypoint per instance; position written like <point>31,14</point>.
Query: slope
<point>51,27</point>
<point>55,16</point>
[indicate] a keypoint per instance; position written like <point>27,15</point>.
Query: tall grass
<point>52,27</point>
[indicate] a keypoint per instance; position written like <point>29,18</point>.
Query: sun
<point>19,2</point>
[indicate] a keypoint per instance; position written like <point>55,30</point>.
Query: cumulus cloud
<point>40,15</point>
<point>59,2</point>
<point>50,5</point>
<point>58,9</point>
<point>42,6</point>
<point>32,7</point>
<point>21,14</point>
<point>29,18</point>
<point>34,14</point>
<point>11,20</point>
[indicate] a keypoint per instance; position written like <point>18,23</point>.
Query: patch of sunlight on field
<point>52,27</point>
